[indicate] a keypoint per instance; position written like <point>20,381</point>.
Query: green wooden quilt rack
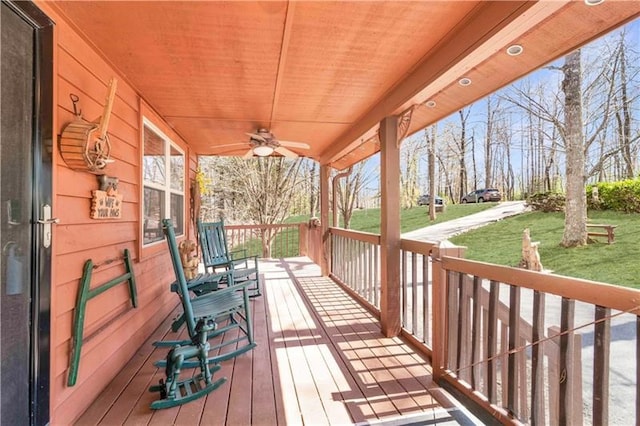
<point>84,295</point>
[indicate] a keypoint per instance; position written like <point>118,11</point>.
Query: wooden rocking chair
<point>207,316</point>
<point>216,255</point>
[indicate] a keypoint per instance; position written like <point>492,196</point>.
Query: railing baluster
<point>403,293</point>
<point>376,280</point>
<point>367,268</point>
<point>637,371</point>
<point>455,288</point>
<point>426,311</point>
<point>414,293</point>
<point>601,347</point>
<point>492,342</point>
<point>566,394</point>
<point>514,338</point>
<point>475,331</point>
<point>361,269</point>
<point>537,361</point>
<point>504,361</point>
<point>464,322</point>
<point>370,288</point>
<point>341,265</point>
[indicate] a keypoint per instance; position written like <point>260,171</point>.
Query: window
<point>163,184</point>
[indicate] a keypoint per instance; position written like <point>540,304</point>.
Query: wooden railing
<point>253,238</point>
<point>355,263</point>
<point>536,348</point>
<point>415,290</point>
<point>525,346</point>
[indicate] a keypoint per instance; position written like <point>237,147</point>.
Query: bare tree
<point>462,150</point>
<point>258,191</point>
<point>623,113</point>
<point>349,189</point>
<point>492,109</point>
<point>575,224</point>
<point>409,187</point>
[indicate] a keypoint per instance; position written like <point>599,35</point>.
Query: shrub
<point>546,202</point>
<point>621,196</point>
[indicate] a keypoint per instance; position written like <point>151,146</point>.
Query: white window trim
<point>146,122</point>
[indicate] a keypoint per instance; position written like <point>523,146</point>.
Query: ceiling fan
<point>263,144</point>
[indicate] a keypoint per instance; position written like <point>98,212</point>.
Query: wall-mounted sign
<point>106,202</point>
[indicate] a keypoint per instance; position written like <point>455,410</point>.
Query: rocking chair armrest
<point>206,281</point>
<point>234,253</point>
<point>246,259</point>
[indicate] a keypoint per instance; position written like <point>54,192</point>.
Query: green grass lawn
<point>501,242</point>
<point>618,263</point>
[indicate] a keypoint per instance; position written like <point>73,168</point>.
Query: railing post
<point>325,258</point>
<point>390,227</point>
<point>303,239</point>
<point>439,301</point>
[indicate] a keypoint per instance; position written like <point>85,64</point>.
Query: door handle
<point>49,221</point>
<point>46,223</point>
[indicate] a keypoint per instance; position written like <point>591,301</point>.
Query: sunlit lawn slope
<point>618,263</point>
<point>413,218</point>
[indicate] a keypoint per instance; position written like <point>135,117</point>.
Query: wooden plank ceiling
<point>326,73</point>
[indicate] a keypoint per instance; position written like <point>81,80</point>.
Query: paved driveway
<point>445,230</point>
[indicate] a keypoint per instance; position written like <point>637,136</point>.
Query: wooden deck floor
<point>320,360</point>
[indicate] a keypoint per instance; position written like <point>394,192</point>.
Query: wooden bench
<point>610,231</point>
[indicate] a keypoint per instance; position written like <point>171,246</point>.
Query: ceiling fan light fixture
<point>263,150</point>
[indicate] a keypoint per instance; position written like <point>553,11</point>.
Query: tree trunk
<point>575,224</point>
<point>463,154</point>
<point>313,193</point>
<point>624,117</point>
<point>265,238</point>
<point>431,148</point>
<point>487,145</point>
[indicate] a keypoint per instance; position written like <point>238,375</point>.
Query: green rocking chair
<point>207,316</point>
<point>216,255</point>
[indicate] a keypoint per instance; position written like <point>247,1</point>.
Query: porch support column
<point>325,257</point>
<point>390,227</point>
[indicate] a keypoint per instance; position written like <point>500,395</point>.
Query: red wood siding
<point>114,330</point>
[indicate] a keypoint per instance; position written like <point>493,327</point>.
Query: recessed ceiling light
<point>514,50</point>
<point>593,2</point>
<point>430,104</point>
<point>464,81</point>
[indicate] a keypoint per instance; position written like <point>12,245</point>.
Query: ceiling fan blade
<point>230,144</point>
<point>257,137</point>
<point>284,151</point>
<point>248,155</point>
<point>292,144</point>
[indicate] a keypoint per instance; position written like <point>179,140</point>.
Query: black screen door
<point>25,186</point>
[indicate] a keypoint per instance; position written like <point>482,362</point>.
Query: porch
<point>321,359</point>
<point>223,78</point>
